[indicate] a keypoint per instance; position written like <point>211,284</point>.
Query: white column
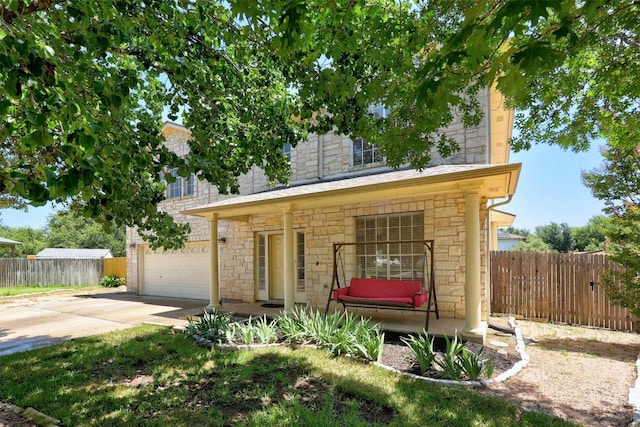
<point>473,305</point>
<point>214,276</point>
<point>493,245</point>
<point>289,265</point>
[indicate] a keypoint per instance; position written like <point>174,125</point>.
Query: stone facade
<point>320,158</point>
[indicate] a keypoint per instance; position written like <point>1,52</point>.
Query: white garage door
<point>183,273</point>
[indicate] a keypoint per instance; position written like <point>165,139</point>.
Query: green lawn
<point>149,376</point>
<point>25,290</point>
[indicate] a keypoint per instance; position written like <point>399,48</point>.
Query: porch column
<point>289,265</point>
<point>472,286</point>
<point>214,276</point>
<point>493,245</point>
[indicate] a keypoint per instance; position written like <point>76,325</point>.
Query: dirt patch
<point>502,353</point>
<point>580,374</point>
<point>10,418</point>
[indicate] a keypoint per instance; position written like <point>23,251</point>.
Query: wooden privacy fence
<point>48,272</point>
<point>115,267</point>
<point>558,288</point>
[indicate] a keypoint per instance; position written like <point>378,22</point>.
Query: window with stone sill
<point>181,187</point>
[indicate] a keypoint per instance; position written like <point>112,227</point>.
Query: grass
<point>35,289</point>
<point>148,376</point>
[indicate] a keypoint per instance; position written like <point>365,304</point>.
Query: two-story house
<point>277,244</point>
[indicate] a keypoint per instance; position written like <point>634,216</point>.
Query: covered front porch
<point>452,198</point>
<point>390,320</point>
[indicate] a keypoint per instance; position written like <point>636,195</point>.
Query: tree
<point>532,243</point>
<point>83,86</point>
<point>558,237</point>
<point>590,237</point>
<point>64,230</point>
<point>617,183</point>
<point>32,241</point>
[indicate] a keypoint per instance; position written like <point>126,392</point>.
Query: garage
<point>180,273</point>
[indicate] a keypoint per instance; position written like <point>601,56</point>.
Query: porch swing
<point>406,282</point>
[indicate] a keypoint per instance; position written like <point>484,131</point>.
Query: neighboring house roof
<point>507,241</point>
<point>503,235</point>
<point>490,181</point>
<point>74,253</point>
<point>8,242</point>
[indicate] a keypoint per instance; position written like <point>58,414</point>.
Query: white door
<point>183,273</point>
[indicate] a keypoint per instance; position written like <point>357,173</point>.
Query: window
<point>262,262</point>
<point>364,153</point>
<point>393,259</point>
<point>300,265</point>
<point>286,150</point>
<point>181,187</point>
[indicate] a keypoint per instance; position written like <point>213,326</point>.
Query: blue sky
<point>549,190</point>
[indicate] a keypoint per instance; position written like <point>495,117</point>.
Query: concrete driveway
<point>38,321</point>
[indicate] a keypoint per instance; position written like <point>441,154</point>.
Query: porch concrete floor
<point>391,320</point>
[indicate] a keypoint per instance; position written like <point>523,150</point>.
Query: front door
<point>276,266</point>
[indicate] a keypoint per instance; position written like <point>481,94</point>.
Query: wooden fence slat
<point>49,272</point>
<point>115,267</point>
<point>562,288</point>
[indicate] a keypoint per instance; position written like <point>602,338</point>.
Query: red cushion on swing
<point>382,290</point>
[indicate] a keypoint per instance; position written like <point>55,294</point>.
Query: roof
<point>8,242</point>
<point>490,181</point>
<point>503,235</point>
<point>74,253</point>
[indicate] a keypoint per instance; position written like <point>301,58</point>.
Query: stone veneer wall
<point>324,227</point>
<point>444,223</point>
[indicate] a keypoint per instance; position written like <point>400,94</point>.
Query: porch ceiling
<point>491,181</point>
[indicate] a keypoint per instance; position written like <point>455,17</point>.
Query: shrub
<point>341,333</point>
<point>421,350</point>
<point>449,362</point>
<point>368,341</point>
<point>210,328</point>
<point>112,281</point>
<point>473,366</point>
<point>251,331</point>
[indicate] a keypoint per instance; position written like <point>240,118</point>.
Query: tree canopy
<point>617,183</point>
<point>84,86</point>
<point>64,230</point>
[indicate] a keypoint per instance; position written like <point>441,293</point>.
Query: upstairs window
<point>181,187</point>
<point>286,150</point>
<point>364,153</point>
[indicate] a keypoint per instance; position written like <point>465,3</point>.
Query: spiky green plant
<point>449,361</point>
<point>210,328</point>
<point>422,351</point>
<point>265,330</point>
